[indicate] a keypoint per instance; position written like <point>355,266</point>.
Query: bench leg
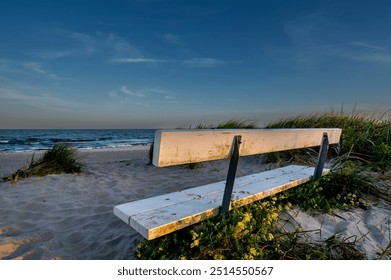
<point>324,147</point>
<point>233,164</point>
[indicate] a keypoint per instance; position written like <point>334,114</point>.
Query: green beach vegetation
<point>230,124</point>
<point>360,174</point>
<point>60,158</point>
<point>365,140</point>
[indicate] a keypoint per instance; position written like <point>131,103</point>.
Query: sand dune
<point>370,228</point>
<point>71,216</point>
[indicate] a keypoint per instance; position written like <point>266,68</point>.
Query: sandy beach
<point>71,216</point>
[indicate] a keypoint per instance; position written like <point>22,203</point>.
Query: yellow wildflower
<point>195,243</point>
<point>253,252</point>
<point>247,217</point>
<point>241,225</point>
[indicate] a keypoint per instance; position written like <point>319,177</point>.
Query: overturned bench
<point>160,215</point>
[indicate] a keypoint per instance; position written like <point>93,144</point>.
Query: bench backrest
<point>175,147</point>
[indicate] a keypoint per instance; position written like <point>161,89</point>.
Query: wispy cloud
<point>53,54</point>
<point>163,95</point>
<point>149,95</point>
<point>6,66</point>
<point>203,62</point>
<point>361,51</point>
<point>302,31</point>
<point>46,101</point>
<point>120,45</point>
<point>74,44</point>
<point>137,93</point>
<point>368,53</point>
<point>77,44</point>
<point>193,62</point>
<point>378,58</point>
<point>27,68</point>
<point>173,39</point>
<point>122,96</point>
<point>305,51</point>
<point>369,47</point>
<point>309,50</point>
<point>138,60</point>
<point>38,68</point>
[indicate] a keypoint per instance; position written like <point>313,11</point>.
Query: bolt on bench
<point>160,215</point>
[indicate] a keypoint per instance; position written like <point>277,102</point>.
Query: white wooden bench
<point>157,216</point>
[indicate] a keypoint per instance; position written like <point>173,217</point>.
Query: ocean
<point>18,140</point>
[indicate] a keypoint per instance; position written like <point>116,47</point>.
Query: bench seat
<point>157,216</point>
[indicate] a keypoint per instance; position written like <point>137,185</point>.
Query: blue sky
<point>161,63</point>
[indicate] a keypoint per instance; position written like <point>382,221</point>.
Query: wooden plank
<point>174,147</point>
<point>161,201</point>
<point>148,204</point>
<point>157,216</point>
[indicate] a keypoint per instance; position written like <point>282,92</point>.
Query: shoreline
<point>10,162</point>
<point>80,149</point>
<point>36,140</point>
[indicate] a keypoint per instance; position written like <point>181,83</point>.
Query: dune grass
<point>360,164</point>
<point>60,158</point>
<point>230,124</point>
<point>236,124</point>
<point>361,170</point>
<point>364,139</point>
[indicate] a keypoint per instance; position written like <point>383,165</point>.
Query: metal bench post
<point>324,147</point>
<point>233,164</point>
